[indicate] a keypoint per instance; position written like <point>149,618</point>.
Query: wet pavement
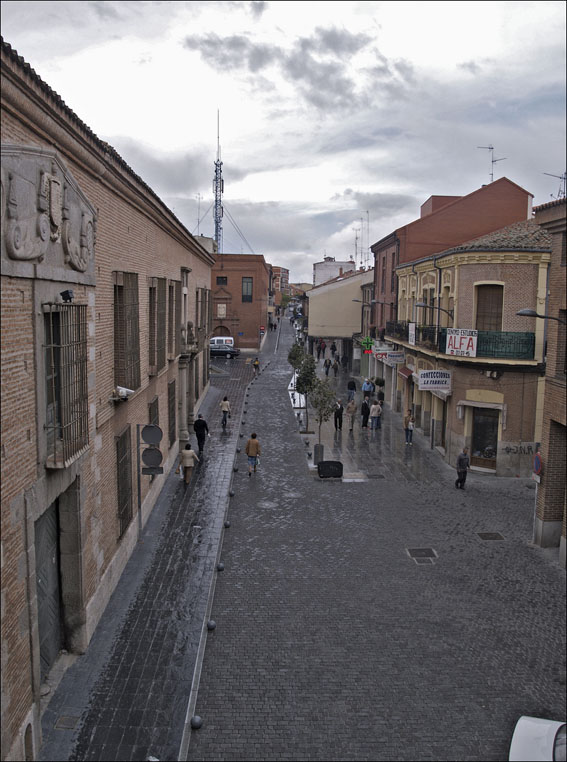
<point>385,616</point>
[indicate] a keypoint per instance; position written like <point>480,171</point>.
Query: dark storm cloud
<point>257,8</point>
<point>187,172</point>
<point>317,65</point>
<point>378,204</point>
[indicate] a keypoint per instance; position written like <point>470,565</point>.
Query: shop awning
<point>405,372</point>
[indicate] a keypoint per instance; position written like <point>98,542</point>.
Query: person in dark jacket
<point>339,410</point>
<point>463,465</point>
<point>327,366</point>
<point>365,413</point>
<point>351,387</point>
<point>201,431</point>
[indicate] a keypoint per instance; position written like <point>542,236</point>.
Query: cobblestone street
<point>333,643</point>
<point>383,617</point>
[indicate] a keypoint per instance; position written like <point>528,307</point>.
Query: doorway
<point>48,582</point>
<point>484,437</point>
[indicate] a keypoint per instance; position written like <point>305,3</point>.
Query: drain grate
<point>422,555</point>
<point>490,535</point>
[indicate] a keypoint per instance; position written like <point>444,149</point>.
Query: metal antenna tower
<point>492,160</point>
<point>562,178</point>
<point>218,189</point>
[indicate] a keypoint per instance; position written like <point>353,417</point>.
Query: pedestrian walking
<point>336,367</point>
<point>318,347</point>
<point>409,425</point>
<point>225,410</point>
<point>201,432</point>
<point>339,410</point>
<point>351,388</point>
<point>256,366</point>
<point>375,415</point>
<point>351,412</point>
<point>333,350</point>
<point>463,465</point>
<point>327,366</point>
<point>253,451</point>
<point>365,412</point>
<point>323,348</point>
<point>187,459</point>
<point>367,388</point>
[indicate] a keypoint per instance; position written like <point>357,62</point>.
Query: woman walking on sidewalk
<point>253,451</point>
<point>375,413</point>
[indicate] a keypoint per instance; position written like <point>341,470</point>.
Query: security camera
<point>123,392</point>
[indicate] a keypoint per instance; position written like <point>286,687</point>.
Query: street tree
<point>295,357</point>
<point>306,381</point>
<point>322,399</point>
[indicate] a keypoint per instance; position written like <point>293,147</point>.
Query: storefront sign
<point>411,334</point>
<point>395,357</point>
<point>461,342</point>
<point>434,379</point>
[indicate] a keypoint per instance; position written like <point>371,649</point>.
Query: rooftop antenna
<point>492,160</point>
<point>562,181</point>
<point>218,189</point>
<point>355,246</point>
<point>198,212</point>
<point>367,253</point>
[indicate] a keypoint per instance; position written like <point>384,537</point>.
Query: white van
<point>218,341</point>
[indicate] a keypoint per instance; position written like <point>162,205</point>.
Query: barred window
<point>489,300</point>
<point>65,352</point>
<point>174,319</point>
<point>247,289</point>
<point>157,317</point>
<point>171,406</point>
<point>153,411</point>
<point>126,330</point>
<point>222,280</point>
<point>124,480</point>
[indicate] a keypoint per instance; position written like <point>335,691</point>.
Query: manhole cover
<point>490,536</point>
<point>421,553</point>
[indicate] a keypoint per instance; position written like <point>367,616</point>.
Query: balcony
<point>504,345</point>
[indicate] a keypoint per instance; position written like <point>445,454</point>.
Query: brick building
<point>241,296</point>
<point>468,328</point>
<point>445,221</point>
<point>550,519</point>
<point>106,313</point>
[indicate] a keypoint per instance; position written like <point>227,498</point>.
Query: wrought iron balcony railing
<point>506,345</point>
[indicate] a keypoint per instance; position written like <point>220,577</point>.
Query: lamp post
<point>532,313</point>
<point>433,307</point>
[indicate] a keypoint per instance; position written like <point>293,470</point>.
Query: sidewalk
<point>127,697</point>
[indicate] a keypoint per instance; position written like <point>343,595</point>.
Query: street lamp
<point>432,307</point>
<point>532,313</point>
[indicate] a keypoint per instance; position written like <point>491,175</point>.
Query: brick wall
<point>134,233</point>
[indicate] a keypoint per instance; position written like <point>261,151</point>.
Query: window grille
<point>171,407</point>
<point>124,480</point>
<point>177,318</point>
<point>171,320</point>
<point>247,289</point>
<point>222,280</point>
<point>65,351</point>
<point>489,307</point>
<point>153,412</point>
<point>157,327</point>
<point>196,379</point>
<point>126,330</point>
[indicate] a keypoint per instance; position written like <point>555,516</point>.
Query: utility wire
<point>201,220</point>
<point>240,233</point>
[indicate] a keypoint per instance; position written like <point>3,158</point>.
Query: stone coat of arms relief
<point>45,216</point>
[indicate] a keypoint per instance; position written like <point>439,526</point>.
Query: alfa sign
<point>434,379</point>
<point>461,342</point>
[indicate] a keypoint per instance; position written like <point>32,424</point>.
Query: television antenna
<point>492,160</point>
<point>562,178</point>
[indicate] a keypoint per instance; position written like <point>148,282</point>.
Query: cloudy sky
<point>337,119</point>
